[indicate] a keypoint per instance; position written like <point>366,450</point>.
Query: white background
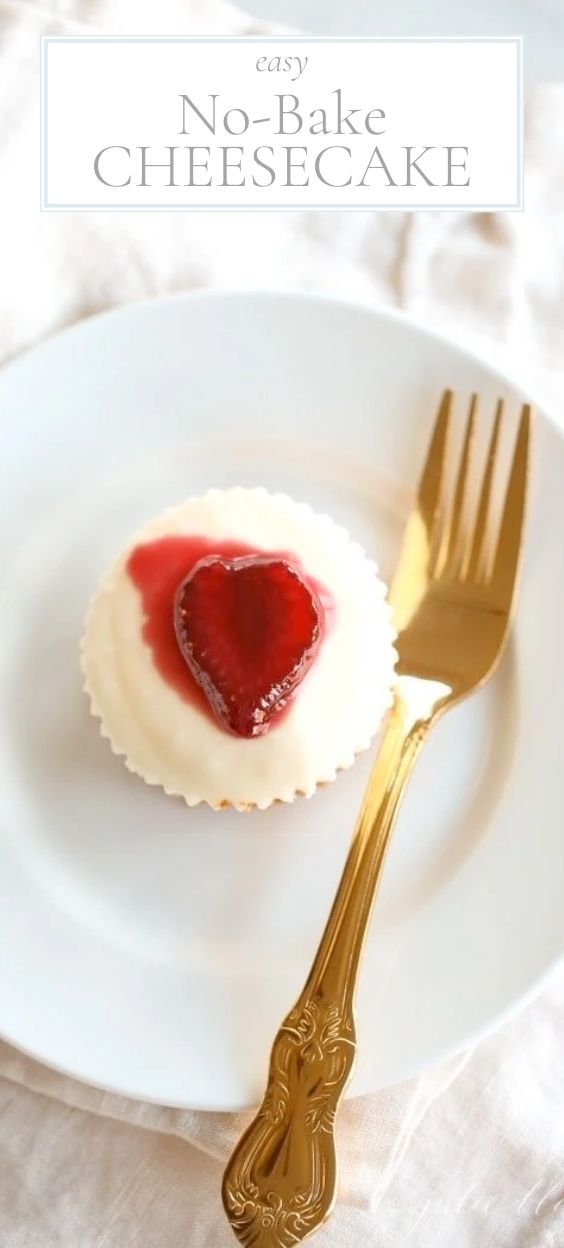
<point>120,92</point>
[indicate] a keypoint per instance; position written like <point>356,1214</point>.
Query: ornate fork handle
<point>280,1182</point>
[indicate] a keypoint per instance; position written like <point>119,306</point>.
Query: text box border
<point>46,206</point>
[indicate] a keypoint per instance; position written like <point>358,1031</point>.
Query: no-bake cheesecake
<point>240,650</point>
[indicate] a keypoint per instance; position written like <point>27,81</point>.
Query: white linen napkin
<point>470,1154</point>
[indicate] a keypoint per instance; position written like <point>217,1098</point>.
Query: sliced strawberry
<point>249,629</point>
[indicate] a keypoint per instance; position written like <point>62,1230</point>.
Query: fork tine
<point>478,541</point>
<point>506,557</point>
<point>421,538</point>
<point>431,481</point>
<point>452,533</point>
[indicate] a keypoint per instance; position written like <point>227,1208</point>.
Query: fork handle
<point>280,1182</point>
<point>335,966</point>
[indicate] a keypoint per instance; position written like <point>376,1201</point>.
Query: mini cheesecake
<point>240,650</point>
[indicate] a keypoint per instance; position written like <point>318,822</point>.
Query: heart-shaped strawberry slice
<point>249,629</point>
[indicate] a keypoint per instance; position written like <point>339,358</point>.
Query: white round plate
<point>151,949</point>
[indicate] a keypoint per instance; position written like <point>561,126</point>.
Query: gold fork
<point>452,596</point>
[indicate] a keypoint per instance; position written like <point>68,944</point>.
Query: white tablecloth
<point>470,1155</point>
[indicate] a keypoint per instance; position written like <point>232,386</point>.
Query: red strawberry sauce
<point>158,567</point>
